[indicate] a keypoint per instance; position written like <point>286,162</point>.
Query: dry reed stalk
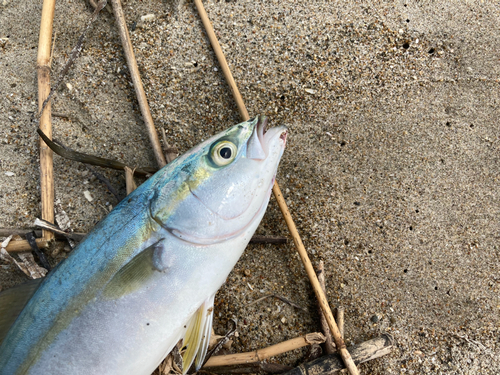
<point>261,354</point>
<point>43,72</point>
<point>136,79</point>
<point>129,180</point>
<point>340,320</point>
<point>20,246</point>
<point>170,152</point>
<point>329,345</point>
<point>339,342</point>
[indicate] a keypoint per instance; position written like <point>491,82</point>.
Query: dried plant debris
<point>26,262</point>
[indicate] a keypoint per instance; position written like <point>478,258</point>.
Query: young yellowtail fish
<point>146,276</point>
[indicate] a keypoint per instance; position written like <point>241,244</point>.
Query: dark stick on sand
<point>249,368</point>
<point>90,159</point>
<point>30,237</point>
<point>332,364</point>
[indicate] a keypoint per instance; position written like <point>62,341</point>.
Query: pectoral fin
<point>198,336</point>
<point>137,271</point>
<point>12,302</point>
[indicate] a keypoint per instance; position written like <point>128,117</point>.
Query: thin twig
<point>222,342</point>
<point>90,159</point>
<point>61,115</point>
<point>249,368</point>
<point>262,354</point>
<point>283,299</point>
<point>269,239</point>
<point>99,176</point>
<point>105,181</point>
<point>351,367</point>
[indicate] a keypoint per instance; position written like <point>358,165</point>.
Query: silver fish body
<point>146,276</point>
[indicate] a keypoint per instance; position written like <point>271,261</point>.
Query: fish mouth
<point>259,142</point>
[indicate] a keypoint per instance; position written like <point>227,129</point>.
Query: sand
<point>391,169</point>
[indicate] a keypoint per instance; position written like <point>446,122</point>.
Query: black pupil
<point>225,152</point>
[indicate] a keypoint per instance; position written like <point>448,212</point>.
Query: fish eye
<point>223,153</point>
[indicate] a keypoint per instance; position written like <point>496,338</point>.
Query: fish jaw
<point>219,203</point>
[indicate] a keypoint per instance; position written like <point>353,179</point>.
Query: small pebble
<point>87,195</point>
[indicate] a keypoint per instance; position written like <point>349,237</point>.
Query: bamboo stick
<point>136,79</point>
<point>20,246</point>
<point>339,342</point>
<point>43,72</point>
<point>261,354</point>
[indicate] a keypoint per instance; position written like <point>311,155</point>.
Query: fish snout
<point>261,139</point>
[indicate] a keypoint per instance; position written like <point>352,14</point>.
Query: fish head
<point>222,186</point>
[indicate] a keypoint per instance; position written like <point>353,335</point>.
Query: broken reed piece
<point>329,344</point>
<point>43,73</point>
<point>262,354</point>
<point>129,180</point>
<point>170,152</point>
<point>339,342</point>
<point>332,364</point>
<point>20,246</point>
<point>136,79</point>
<point>340,320</point>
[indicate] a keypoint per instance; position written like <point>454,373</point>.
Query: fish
<point>146,276</point>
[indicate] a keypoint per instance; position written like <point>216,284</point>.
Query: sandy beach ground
<point>391,169</point>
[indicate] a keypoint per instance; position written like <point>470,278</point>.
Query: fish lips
<point>258,145</point>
